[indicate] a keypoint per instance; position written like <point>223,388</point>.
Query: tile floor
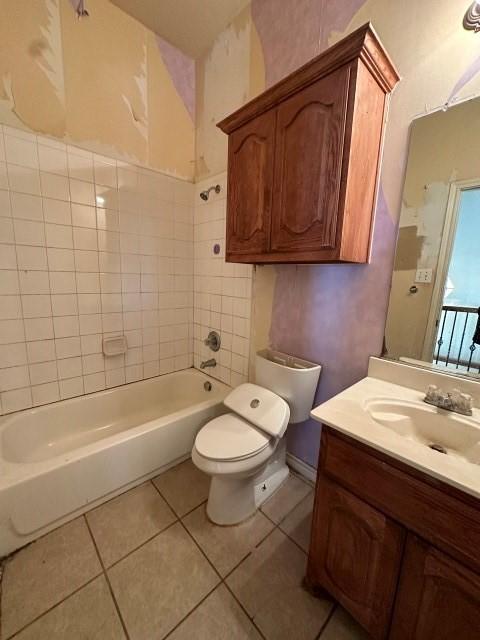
<point>149,565</point>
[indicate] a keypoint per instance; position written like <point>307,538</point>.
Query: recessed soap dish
<point>115,346</point>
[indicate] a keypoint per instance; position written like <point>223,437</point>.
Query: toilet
<point>244,450</point>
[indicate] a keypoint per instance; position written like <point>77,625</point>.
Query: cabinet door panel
<point>250,179</point>
<point>308,165</point>
<point>355,555</point>
<point>438,598</point>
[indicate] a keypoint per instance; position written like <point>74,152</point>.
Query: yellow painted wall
<point>100,83</point>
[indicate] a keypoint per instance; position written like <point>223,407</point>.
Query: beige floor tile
<point>342,626</point>
<point>286,498</point>
<point>126,522</point>
<point>299,521</point>
<point>184,487</point>
<point>88,614</point>
<point>160,583</point>
<point>226,546</point>
<point>219,617</point>
<point>269,585</point>
<point>46,572</point>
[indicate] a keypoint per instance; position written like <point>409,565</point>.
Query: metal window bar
<point>461,352</point>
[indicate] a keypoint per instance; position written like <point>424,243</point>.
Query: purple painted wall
<point>469,73</point>
<point>182,71</point>
<point>334,315</point>
<point>298,32</point>
<point>331,314</point>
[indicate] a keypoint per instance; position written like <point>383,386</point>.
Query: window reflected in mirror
<point>434,311</point>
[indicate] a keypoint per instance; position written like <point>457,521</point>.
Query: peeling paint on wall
<point>223,84</point>
<point>140,116</point>
<point>94,82</point>
<point>48,55</point>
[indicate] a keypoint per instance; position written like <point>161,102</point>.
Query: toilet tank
<point>290,377</point>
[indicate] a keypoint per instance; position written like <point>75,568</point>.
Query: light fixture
<point>471,19</point>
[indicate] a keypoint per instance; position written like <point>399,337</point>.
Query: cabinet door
<point>438,598</point>
<point>250,180</point>
<point>355,555</point>
<point>308,164</point>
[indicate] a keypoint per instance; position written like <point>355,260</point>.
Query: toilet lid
<point>228,437</point>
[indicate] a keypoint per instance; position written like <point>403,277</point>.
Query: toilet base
<point>233,499</point>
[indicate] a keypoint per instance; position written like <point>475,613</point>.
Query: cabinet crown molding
<point>363,43</point>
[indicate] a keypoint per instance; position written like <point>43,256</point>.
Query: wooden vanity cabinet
<point>358,556</point>
<point>438,598</point>
<point>303,159</point>
<point>397,548</point>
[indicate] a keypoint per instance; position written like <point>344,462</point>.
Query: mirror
<point>434,316</point>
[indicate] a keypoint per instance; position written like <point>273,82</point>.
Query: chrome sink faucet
<point>208,363</point>
<point>455,400</point>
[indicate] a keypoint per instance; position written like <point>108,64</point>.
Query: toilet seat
<point>230,438</point>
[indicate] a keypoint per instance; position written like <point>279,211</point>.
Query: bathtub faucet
<point>208,363</point>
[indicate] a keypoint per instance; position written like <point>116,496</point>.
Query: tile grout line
<point>327,621</point>
<point>53,606</point>
<point>169,633</point>
<point>222,579</point>
<point>107,579</point>
<point>179,519</point>
<point>127,555</point>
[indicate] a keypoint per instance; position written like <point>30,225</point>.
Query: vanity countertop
<point>347,413</point>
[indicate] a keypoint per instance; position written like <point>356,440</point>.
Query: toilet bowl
<point>238,450</point>
<point>244,451</point>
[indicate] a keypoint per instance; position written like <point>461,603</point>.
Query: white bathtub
<point>59,460</point>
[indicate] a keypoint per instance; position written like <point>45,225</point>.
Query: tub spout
<point>208,363</point>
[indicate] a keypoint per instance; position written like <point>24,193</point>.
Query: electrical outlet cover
<point>424,276</point>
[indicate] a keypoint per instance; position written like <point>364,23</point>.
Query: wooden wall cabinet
<point>398,549</point>
<point>303,159</point>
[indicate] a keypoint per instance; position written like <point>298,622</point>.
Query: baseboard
<point>302,468</point>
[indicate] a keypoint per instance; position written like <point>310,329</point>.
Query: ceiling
<point>190,25</point>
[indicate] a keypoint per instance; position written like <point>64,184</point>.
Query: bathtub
<point>60,460</point>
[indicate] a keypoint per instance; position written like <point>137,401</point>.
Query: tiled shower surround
<point>222,298</point>
<point>90,247</point>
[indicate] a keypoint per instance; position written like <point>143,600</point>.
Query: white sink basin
<point>443,431</point>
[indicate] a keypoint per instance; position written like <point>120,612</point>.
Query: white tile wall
<point>222,299</point>
<point>90,246</point>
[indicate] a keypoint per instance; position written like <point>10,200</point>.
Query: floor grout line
<point>325,624</point>
<point>142,544</point>
<point>190,612</point>
<point>223,579</point>
<point>115,603</point>
<point>219,575</point>
<point>53,607</point>
<point>178,519</point>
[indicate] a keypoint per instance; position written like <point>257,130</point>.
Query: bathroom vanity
<point>396,525</point>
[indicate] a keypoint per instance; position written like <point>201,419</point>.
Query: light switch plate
<point>423,276</point>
